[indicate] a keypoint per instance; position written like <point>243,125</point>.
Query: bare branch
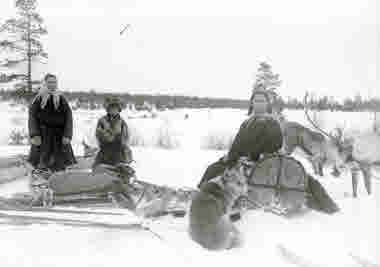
<point>11,63</point>
<point>5,44</point>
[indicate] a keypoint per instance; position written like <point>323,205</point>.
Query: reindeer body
<point>319,149</point>
<point>352,152</point>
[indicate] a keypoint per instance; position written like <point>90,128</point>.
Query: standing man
<point>50,128</point>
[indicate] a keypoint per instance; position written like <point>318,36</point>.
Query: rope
<point>278,186</point>
<point>140,198</point>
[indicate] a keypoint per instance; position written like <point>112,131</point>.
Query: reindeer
<point>322,148</point>
<point>343,152</point>
<point>319,149</point>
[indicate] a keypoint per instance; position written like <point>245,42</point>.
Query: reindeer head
<point>339,148</point>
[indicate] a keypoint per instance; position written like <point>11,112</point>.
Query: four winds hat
<point>113,101</point>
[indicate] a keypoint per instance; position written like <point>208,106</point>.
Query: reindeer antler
<point>337,140</point>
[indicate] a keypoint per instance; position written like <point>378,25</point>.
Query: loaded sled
<point>279,184</point>
<point>104,186</point>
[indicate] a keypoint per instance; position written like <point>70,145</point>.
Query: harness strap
<point>140,198</point>
<point>278,185</point>
<point>303,146</point>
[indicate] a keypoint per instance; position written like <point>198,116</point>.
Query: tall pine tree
<point>21,42</point>
<point>266,79</point>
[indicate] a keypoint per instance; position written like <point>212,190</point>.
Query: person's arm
<point>103,135</point>
<point>125,133</point>
<point>236,147</point>
<point>68,129</point>
<point>33,124</point>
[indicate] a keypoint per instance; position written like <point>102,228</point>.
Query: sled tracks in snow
<point>293,258</point>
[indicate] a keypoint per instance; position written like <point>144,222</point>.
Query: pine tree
<point>265,78</point>
<point>22,44</point>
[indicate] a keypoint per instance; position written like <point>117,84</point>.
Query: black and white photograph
<point>189,133</point>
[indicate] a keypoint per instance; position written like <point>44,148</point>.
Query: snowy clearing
<point>350,238</point>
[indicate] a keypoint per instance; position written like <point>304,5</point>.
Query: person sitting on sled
<point>258,135</point>
<point>50,125</point>
<point>112,136</point>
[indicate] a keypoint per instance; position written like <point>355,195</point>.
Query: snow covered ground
<point>347,239</point>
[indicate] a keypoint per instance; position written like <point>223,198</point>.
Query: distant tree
<point>21,42</point>
<point>266,78</point>
<point>358,100</point>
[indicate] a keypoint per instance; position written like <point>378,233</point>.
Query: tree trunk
<point>29,56</point>
<point>375,122</point>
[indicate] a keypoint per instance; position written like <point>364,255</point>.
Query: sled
<point>106,186</point>
<point>278,183</point>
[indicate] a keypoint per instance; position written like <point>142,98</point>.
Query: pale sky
<point>212,48</point>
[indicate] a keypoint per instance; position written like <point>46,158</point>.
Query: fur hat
<point>113,101</point>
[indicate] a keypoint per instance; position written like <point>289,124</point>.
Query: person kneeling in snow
<point>112,136</point>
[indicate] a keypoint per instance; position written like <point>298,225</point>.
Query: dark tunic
<point>112,135</point>
<point>52,125</point>
<point>257,135</point>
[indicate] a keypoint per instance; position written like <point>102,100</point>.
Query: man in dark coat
<point>112,135</point>
<point>259,134</point>
<point>50,128</point>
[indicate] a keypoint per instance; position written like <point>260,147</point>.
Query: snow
<point>310,239</point>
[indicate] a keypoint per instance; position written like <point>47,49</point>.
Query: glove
<point>36,140</point>
<point>66,140</point>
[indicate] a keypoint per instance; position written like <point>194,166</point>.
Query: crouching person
<point>112,136</point>
<point>210,223</point>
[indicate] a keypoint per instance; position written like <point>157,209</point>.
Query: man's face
<point>51,83</point>
<point>260,103</point>
<point>113,110</point>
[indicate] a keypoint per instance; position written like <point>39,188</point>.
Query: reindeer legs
<point>354,176</point>
<point>366,170</point>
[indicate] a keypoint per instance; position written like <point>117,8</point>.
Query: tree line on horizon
<point>94,99</point>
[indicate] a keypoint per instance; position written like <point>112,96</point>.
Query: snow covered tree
<point>266,79</point>
<point>20,42</point>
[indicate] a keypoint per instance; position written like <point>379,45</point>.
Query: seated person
<point>258,135</point>
<point>112,136</point>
